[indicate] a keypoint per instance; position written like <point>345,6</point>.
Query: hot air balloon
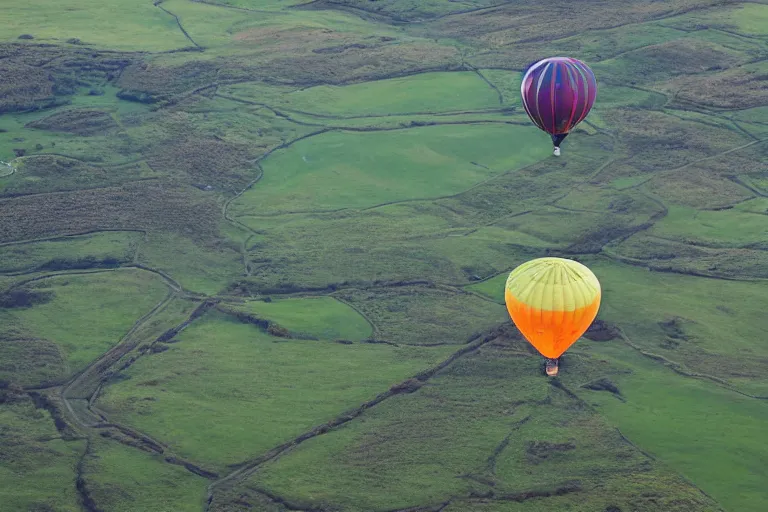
<point>558,93</point>
<point>552,301</point>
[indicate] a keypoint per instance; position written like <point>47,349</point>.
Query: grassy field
<point>133,26</point>
<point>122,478</point>
<point>78,316</point>
<point>425,93</point>
<point>487,427</point>
<point>205,268</point>
<point>38,464</point>
<point>321,317</point>
<point>720,422</point>
<point>385,167</point>
<point>738,227</point>
<point>290,386</point>
<point>253,254</point>
<point>84,251</point>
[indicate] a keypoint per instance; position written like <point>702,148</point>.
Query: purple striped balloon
<point>558,93</point>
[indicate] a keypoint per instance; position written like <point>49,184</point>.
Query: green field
<point>390,166</point>
<point>145,481</point>
<point>723,437</point>
<point>38,463</point>
<point>79,316</point>
<point>486,427</point>
<point>271,375</point>
<point>425,93</point>
<point>729,228</point>
<point>253,256</point>
<point>131,26</point>
<point>321,317</point>
<point>72,252</point>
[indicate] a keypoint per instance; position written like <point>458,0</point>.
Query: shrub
<point>23,298</point>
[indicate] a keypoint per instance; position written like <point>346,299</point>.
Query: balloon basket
<point>551,368</point>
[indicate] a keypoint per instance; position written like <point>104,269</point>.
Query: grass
<point>198,267</point>
<point>708,326</point>
<point>376,168</point>
<point>160,207</point>
<point>38,465</point>
<point>237,123</point>
<point>655,63</point>
<point>121,478</point>
<point>448,241</point>
<point>585,230</point>
<point>698,188</point>
<point>208,25</point>
<point>204,418</point>
<point>627,182</point>
<point>492,288</point>
<point>52,173</point>
<point>108,248</point>
<point>429,185</point>
<point>725,228</point>
<point>464,433</point>
<point>322,317</point>
<point>428,92</point>
<point>132,26</point>
<point>667,255</point>
<point>85,317</point>
<point>746,19</point>
<point>705,326</point>
<point>700,430</point>
<point>237,30</point>
<point>599,45</point>
<point>416,10</point>
<point>261,5</point>
<point>507,84</point>
<point>392,243</point>
<point>599,199</point>
<point>411,315</point>
<point>613,96</point>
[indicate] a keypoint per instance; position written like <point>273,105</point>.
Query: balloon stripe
<point>590,89</point>
<point>585,94</point>
<point>575,93</point>
<point>526,88</point>
<point>538,91</point>
<point>552,83</point>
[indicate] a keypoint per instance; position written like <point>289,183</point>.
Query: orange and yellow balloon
<point>552,301</point>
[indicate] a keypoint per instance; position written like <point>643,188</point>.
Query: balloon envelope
<point>558,93</point>
<point>552,301</point>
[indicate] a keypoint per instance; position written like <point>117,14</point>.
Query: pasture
<point>253,255</point>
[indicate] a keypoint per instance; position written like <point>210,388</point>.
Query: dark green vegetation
<point>252,257</point>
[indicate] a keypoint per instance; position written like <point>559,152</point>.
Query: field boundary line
<point>250,467</point>
<point>157,3</point>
